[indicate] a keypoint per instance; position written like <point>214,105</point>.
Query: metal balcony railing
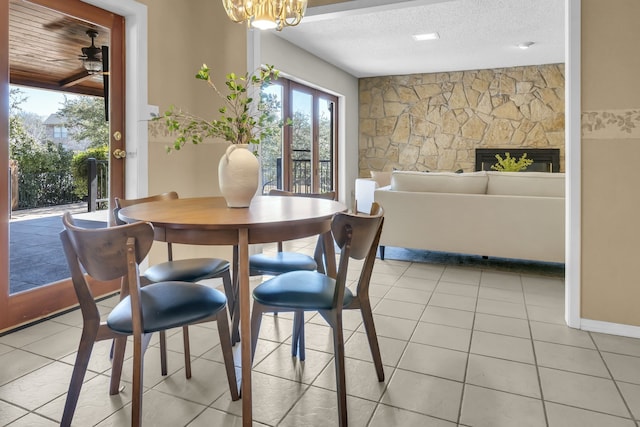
<point>37,190</point>
<point>97,184</point>
<point>301,176</point>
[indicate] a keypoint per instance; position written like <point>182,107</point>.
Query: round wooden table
<point>208,221</point>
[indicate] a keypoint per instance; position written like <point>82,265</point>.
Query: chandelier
<point>266,14</point>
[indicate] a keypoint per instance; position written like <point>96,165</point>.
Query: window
<point>59,132</point>
<point>302,157</point>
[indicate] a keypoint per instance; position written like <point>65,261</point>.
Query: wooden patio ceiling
<point>45,48</point>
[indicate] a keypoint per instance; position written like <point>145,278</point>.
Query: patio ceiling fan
<point>94,61</point>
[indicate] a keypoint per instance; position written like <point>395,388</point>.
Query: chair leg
<point>301,353</point>
<point>370,329</point>
<point>231,291</point>
<point>295,336</point>
<point>341,382</point>
<point>187,352</point>
<point>163,352</point>
<point>119,347</point>
<point>235,325</point>
<point>301,345</point>
<point>136,394</point>
<point>77,377</point>
<point>382,252</point>
<point>297,339</point>
<point>227,353</point>
<point>234,266</point>
<point>256,321</point>
<point>318,255</point>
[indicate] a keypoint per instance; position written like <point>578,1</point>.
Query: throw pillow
<point>440,182</point>
<point>541,184</point>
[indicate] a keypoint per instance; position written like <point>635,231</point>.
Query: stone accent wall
<point>436,121</point>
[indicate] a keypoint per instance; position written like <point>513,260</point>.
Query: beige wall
<point>182,36</point>
<point>436,121</point>
<point>610,199</point>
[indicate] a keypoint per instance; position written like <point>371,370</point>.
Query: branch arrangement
<point>244,119</point>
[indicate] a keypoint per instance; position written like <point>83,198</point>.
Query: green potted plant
<point>247,116</point>
<point>511,164</point>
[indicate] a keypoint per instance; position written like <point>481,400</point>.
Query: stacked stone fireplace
<point>437,122</point>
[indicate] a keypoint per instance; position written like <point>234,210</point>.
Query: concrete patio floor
<point>35,252</point>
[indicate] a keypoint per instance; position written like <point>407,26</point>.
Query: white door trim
<point>573,214</point>
<point>136,95</point>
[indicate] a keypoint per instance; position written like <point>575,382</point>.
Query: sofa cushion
<point>382,178</point>
<point>440,182</point>
<point>541,184</point>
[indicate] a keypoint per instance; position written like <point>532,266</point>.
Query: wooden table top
<point>212,213</point>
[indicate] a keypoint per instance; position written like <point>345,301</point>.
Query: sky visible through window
<point>42,102</point>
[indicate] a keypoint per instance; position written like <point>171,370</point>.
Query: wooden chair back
<point>101,251</point>
<point>359,232</point>
<point>105,254</point>
<point>123,203</point>
<point>357,236</point>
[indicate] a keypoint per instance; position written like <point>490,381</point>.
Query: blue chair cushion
<point>282,262</point>
<point>168,305</point>
<point>186,270</point>
<point>299,290</point>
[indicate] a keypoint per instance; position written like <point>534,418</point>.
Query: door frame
<point>29,306</point>
<point>288,87</point>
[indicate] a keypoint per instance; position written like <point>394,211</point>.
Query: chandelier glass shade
<point>266,14</point>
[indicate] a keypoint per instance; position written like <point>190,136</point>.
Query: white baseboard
<point>610,328</point>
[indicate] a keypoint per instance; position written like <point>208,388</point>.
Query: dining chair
<point>285,261</point>
<point>115,253</point>
<point>357,236</point>
<point>184,270</point>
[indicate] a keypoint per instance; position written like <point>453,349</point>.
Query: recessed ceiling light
<point>525,45</point>
<point>426,36</point>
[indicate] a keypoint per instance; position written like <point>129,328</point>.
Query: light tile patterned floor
<point>461,346</point>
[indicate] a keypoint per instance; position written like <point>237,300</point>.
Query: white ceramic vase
<point>238,175</point>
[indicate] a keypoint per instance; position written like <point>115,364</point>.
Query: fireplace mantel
<point>544,159</point>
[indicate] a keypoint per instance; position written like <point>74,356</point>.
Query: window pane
<point>271,147</point>
<point>301,144</point>
<point>325,141</point>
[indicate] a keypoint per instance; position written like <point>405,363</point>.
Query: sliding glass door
<point>302,158</point>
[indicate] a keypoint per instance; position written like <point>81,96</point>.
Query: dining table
<point>208,221</point>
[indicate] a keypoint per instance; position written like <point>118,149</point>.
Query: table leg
<point>245,325</point>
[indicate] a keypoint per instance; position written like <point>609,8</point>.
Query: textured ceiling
<point>373,37</point>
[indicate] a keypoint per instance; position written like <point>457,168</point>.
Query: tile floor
<point>461,346</point>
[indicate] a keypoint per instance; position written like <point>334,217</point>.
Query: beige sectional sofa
<point>495,214</point>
